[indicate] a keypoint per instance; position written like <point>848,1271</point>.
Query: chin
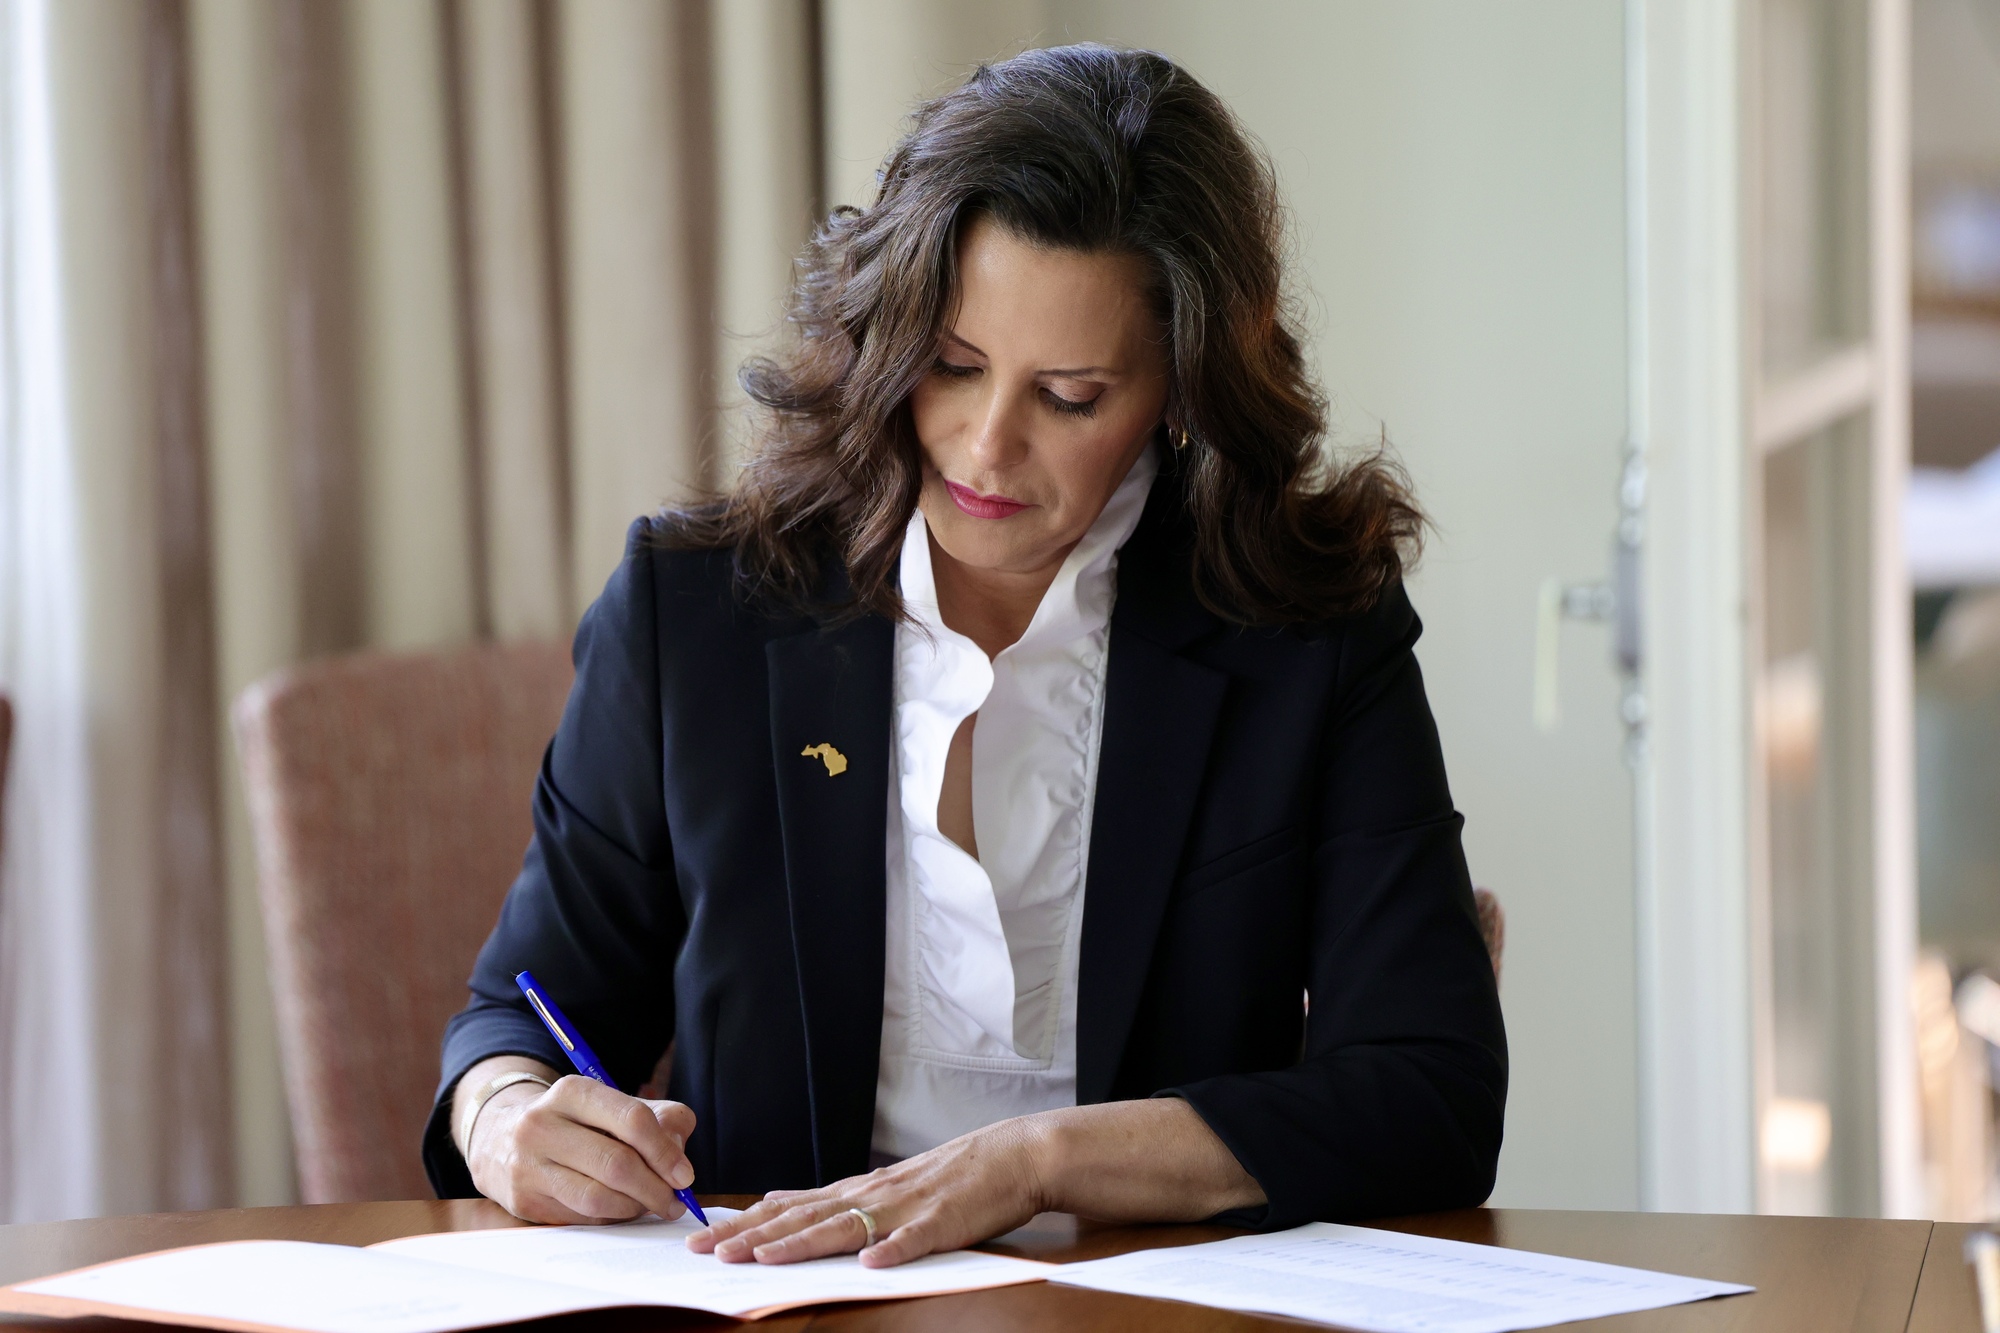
<point>986,553</point>
<point>981,543</point>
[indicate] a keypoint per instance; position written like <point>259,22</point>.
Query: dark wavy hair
<point>1082,148</point>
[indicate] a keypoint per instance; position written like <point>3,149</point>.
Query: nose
<point>998,440</point>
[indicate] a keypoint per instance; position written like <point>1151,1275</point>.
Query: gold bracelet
<point>485,1095</point>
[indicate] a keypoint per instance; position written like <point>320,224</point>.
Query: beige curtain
<point>327,327</point>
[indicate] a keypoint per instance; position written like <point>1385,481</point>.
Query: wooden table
<point>1811,1273</point>
<point>1946,1300</point>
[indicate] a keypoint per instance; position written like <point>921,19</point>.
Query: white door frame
<point>1694,908</point>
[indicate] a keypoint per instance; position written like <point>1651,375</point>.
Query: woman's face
<point>1048,384</point>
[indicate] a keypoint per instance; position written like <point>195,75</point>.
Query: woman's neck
<point>991,607</point>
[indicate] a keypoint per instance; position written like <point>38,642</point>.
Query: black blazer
<point>1272,821</point>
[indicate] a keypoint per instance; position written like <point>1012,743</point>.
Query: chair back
<point>1492,926</point>
<point>389,797</point>
<point>6,750</point>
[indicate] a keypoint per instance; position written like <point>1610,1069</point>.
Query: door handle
<point>1557,602</point>
<point>1619,601</point>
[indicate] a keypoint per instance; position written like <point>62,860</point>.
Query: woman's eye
<point>951,371</point>
<point>1069,407</point>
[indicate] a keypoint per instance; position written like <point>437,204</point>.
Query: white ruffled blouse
<point>979,996</point>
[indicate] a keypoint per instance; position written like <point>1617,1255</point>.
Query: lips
<point>982,506</point>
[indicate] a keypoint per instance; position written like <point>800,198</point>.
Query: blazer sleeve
<point>1396,1105</point>
<point>595,913</point>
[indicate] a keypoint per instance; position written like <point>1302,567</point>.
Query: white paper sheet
<point>1387,1282</point>
<point>475,1279</point>
<point>320,1288</point>
<point>648,1263</point>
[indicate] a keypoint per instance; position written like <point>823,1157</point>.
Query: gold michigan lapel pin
<point>835,761</point>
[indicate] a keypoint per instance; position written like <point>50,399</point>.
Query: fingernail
<point>681,1176</point>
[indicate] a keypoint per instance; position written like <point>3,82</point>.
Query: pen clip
<point>549,1019</point>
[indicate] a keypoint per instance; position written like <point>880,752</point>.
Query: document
<point>646,1263</point>
<point>1386,1282</point>
<point>475,1279</point>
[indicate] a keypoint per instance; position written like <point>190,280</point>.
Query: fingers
<point>557,1195</point>
<point>704,1242</point>
<point>840,1233</point>
<point>616,1167</point>
<point>657,1131</point>
<point>956,1194</point>
<point>592,1152</point>
<point>913,1240</point>
<point>799,1229</point>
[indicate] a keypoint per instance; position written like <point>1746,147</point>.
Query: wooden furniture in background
<point>390,800</point>
<point>1811,1273</point>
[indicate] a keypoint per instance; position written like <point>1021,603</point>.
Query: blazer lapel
<point>830,724</point>
<point>1160,710</point>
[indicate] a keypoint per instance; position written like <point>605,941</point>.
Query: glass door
<point>1832,875</point>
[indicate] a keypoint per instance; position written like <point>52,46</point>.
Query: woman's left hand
<point>955,1195</point>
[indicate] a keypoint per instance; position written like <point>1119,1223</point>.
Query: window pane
<point>1819,1129</point>
<point>1812,203</point>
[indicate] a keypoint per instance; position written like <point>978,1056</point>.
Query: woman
<point>973,795</point>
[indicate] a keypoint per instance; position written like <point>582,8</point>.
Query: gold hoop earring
<point>1181,440</point>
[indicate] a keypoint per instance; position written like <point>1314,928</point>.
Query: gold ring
<point>867,1222</point>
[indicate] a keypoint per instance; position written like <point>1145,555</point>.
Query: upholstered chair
<point>389,796</point>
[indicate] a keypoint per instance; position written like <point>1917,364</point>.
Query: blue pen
<point>581,1055</point>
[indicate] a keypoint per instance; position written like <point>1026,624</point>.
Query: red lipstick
<point>982,506</point>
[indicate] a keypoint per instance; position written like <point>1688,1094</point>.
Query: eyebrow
<point>1077,373</point>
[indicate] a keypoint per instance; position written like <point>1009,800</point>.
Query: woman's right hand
<point>579,1152</point>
